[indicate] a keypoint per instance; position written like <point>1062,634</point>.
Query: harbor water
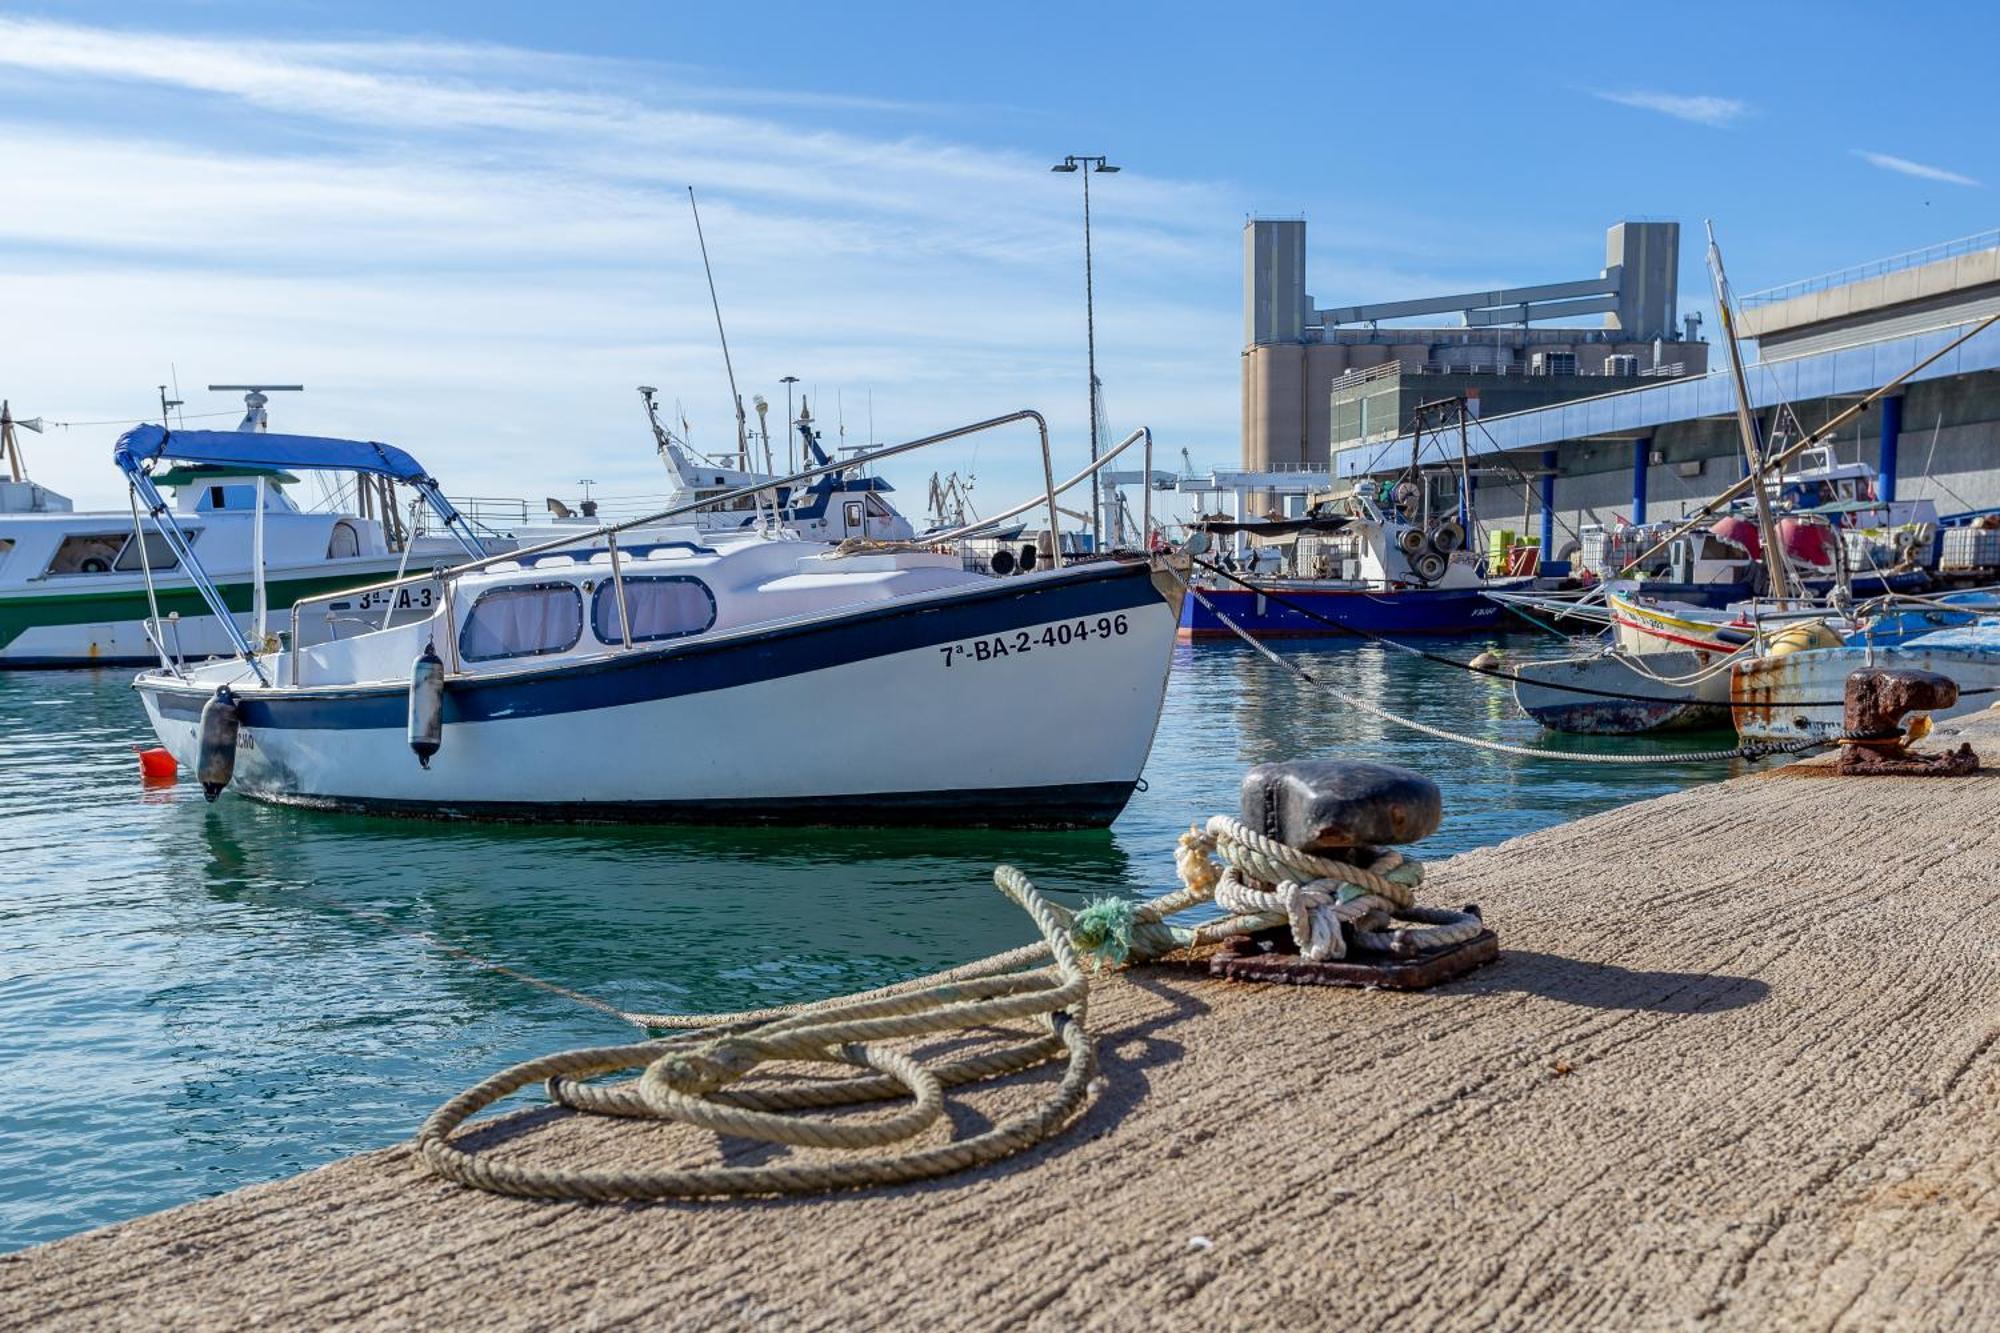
<point>195,998</point>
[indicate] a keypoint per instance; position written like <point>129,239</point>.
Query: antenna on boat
<point>742,423</point>
<point>255,418</point>
<point>1746,424</point>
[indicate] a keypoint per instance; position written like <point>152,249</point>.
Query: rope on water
<point>698,1077</point>
<point>1749,750</point>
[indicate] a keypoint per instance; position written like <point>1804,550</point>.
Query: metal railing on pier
<point>1930,254</point>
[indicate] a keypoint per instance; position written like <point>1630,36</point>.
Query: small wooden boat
<point>1572,693</point>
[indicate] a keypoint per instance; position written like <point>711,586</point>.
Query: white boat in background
<point>841,505</point>
<point>73,585</point>
<point>698,675</point>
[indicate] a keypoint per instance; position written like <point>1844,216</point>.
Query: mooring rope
<point>1496,673</point>
<point>1748,750</point>
<point>697,1077</point>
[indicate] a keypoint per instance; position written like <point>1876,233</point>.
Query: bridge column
<point>1885,460</point>
<point>1548,485</point>
<point>1640,449</point>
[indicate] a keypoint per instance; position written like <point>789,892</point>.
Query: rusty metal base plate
<point>1893,761</point>
<point>1254,958</point>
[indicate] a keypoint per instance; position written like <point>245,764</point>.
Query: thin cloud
<point>1903,166</point>
<point>477,250</point>
<point>1717,112</point>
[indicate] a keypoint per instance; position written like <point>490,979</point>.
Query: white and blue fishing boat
<point>691,674</point>
<point>74,584</point>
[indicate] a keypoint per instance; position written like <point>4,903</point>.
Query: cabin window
<point>854,515</point>
<point>526,620</point>
<point>87,553</point>
<point>345,543</point>
<point>158,555</point>
<point>663,607</point>
<point>239,496</point>
<point>877,508</point>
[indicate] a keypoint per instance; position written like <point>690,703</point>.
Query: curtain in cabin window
<point>659,608</point>
<point>522,621</point>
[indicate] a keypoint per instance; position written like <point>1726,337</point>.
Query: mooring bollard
<point>1344,816</point>
<point>1877,744</point>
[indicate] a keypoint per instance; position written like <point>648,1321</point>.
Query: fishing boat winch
<point>221,722</point>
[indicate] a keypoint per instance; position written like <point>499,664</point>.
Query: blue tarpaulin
<point>145,444</point>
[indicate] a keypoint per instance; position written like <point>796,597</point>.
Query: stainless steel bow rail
<point>607,534</point>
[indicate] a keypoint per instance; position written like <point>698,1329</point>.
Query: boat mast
<point>1746,424</point>
<point>742,422</point>
<point>1464,473</point>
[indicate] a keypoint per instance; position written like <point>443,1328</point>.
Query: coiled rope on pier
<point>697,1077</point>
<point>1317,894</point>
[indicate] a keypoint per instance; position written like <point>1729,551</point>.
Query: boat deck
<point>1736,1066</point>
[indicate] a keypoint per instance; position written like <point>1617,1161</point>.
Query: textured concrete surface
<point>1736,1068</point>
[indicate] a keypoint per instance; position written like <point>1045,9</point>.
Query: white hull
<point>943,727</point>
<point>1794,696</point>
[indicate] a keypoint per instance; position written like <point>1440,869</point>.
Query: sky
<point>465,227</point>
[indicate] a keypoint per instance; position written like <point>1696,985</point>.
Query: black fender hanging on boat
<point>427,704</point>
<point>216,761</point>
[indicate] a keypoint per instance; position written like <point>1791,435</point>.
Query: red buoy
<point>156,766</point>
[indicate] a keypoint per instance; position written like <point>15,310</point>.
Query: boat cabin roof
<point>201,474</point>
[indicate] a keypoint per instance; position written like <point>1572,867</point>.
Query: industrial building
<point>1319,380</point>
<point>1652,450</point>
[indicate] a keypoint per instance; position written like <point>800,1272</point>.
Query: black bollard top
<point>1323,804</point>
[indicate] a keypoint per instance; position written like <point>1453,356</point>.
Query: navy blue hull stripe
<point>1070,806</point>
<point>697,666</point>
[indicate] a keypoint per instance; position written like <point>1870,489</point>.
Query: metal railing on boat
<point>587,542</point>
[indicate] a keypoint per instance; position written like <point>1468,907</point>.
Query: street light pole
<point>1087,165</point>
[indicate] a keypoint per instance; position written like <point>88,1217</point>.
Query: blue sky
<point>464,226</point>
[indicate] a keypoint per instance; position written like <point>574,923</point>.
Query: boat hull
<point>1775,697</point>
<point>59,626</point>
<point>1642,630</point>
<point>1401,611</point>
<point>1027,702</point>
<point>1660,706</point>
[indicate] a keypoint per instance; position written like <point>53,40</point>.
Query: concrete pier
<point>1736,1067</point>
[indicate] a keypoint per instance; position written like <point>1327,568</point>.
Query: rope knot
<point>1103,929</point>
<point>1194,862</point>
<point>700,1072</point>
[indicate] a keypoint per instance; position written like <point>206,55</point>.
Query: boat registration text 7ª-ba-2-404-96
<point>993,647</point>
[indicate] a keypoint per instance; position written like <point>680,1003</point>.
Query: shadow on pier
<point>1608,986</point>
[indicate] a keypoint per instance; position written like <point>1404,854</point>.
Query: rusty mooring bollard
<point>1877,743</point>
<point>1347,811</point>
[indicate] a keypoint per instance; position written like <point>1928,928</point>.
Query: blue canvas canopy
<point>145,444</point>
<point>142,446</point>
